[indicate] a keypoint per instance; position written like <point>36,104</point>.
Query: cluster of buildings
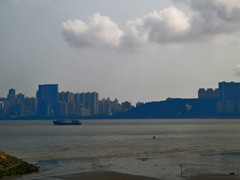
<point>226,96</point>
<point>223,101</point>
<point>49,103</point>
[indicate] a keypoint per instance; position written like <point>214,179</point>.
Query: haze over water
<point>202,146</point>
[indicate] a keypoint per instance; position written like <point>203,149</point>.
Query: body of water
<point>145,147</point>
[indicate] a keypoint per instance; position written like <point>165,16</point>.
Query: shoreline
<point>214,177</point>
<point>125,168</point>
<point>111,175</point>
<point>133,168</point>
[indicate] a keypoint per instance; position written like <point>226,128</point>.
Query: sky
<point>132,50</point>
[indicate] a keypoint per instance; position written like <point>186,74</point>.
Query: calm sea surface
<point>199,144</point>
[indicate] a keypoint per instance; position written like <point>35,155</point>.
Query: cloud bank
<point>204,20</point>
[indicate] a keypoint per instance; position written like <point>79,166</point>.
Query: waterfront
<point>127,146</point>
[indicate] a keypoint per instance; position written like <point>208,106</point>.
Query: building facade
<point>47,98</point>
<point>208,93</point>
<point>229,91</point>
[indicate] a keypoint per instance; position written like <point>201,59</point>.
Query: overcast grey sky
<point>134,50</point>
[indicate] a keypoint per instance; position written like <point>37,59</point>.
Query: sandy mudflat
<point>108,175</point>
<point>105,175</point>
<point>214,177</point>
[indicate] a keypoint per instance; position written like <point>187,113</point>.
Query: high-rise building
<point>82,103</point>
<point>76,98</point>
<point>69,97</point>
<point>229,91</point>
<point>61,97</point>
<point>93,103</point>
<point>126,106</point>
<point>105,106</point>
<point>89,101</point>
<point>2,102</point>
<point>66,104</point>
<point>30,106</point>
<point>11,95</point>
<point>229,98</point>
<point>108,107</point>
<point>47,97</point>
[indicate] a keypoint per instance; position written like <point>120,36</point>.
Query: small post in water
<point>181,168</point>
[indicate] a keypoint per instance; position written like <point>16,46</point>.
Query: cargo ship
<point>67,122</point>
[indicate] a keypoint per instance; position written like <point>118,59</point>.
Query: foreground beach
<point>214,177</point>
<point>107,175</point>
<point>128,169</point>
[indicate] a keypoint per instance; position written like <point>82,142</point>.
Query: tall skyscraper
<point>47,97</point>
<point>93,103</point>
<point>11,95</point>
<point>82,100</point>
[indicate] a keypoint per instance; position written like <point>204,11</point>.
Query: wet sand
<point>213,177</point>
<point>104,175</point>
<point>109,175</point>
<point>143,168</point>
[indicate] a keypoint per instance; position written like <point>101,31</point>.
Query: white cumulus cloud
<point>98,31</point>
<point>168,25</point>
<point>205,20</point>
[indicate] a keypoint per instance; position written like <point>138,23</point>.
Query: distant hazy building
<point>61,97</point>
<point>229,98</point>
<point>66,104</point>
<point>78,104</point>
<point>116,107</point>
<point>11,95</point>
<point>47,97</point>
<point>83,112</point>
<point>126,106</point>
<point>76,98</point>
<point>20,99</point>
<point>87,101</point>
<point>229,91</point>
<point>30,106</point>
<point>81,100</point>
<point>51,104</point>
<point>17,105</point>
<point>139,104</point>
<point>208,93</point>
<point>2,102</point>
<point>91,100</point>
<point>105,106</point>
<point>108,107</point>
<point>63,109</point>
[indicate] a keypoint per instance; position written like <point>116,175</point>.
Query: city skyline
<point>50,103</point>
<point>16,92</point>
<point>160,49</point>
<point>222,102</point>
